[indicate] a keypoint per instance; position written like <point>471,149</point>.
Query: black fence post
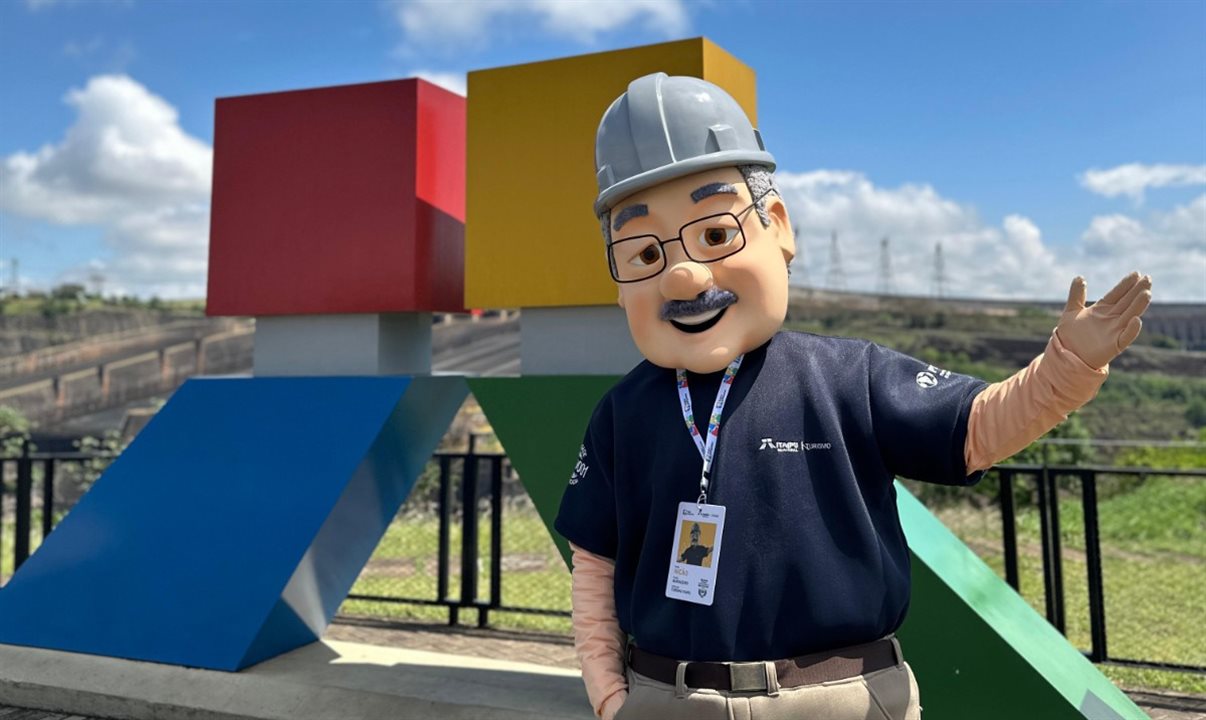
<point>444,505</point>
<point>1057,555</point>
<point>469,528</point>
<point>1045,537</point>
<point>4,461</point>
<point>24,491</point>
<point>495,536</point>
<point>1049,525</point>
<point>1097,623</point>
<point>47,498</point>
<point>1009,530</point>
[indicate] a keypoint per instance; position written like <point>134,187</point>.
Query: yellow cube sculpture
<point>531,239</point>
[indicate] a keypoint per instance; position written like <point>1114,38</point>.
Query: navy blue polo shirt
<point>814,431</point>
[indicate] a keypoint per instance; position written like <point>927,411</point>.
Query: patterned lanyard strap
<point>707,448</point>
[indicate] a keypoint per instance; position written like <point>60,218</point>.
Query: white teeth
<point>698,319</point>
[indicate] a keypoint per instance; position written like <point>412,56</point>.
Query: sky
<point>1031,141</point>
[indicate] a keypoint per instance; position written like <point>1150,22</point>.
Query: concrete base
<point>349,344</point>
<point>326,680</point>
<point>577,340</point>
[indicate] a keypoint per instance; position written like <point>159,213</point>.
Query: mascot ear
<point>781,227</point>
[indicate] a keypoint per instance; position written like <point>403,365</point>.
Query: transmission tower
<point>98,283</point>
<point>939,272</point>
<point>885,268</point>
<point>800,264</point>
<point>835,279</point>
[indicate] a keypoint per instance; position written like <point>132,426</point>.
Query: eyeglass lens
<point>705,240</point>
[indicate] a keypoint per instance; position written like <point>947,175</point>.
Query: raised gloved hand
<point>1099,333</point>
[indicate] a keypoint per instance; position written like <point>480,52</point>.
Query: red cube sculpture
<point>347,199</point>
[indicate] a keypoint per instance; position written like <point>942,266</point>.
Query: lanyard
<point>707,449</point>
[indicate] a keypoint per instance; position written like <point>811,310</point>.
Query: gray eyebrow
<point>628,213</point>
<point>711,189</point>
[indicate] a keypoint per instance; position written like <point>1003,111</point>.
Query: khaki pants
<point>888,694</point>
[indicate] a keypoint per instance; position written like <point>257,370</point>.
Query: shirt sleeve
<point>598,639</point>
<point>919,414</point>
<point>587,517</point>
<point>1011,414</point>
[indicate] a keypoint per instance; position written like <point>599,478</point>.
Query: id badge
<point>695,555</point>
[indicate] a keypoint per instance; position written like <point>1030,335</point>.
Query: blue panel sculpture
<point>235,524</point>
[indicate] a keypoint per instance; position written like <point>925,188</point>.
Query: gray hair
<point>758,178</point>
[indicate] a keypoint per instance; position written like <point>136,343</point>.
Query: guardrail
<point>462,479</point>
<point>1045,479</point>
<point>459,499</point>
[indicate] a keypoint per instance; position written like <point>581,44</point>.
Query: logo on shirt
<point>928,378</point>
<point>581,468</point>
<point>792,446</point>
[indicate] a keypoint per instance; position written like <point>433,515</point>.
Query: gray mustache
<point>710,299</point>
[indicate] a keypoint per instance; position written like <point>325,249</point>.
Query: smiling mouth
<point>699,323</point>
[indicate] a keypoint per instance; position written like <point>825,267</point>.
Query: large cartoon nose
<point>685,280</point>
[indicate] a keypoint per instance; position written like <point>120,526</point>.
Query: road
<point>490,347</point>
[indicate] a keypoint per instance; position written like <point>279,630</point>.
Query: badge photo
<point>695,554</point>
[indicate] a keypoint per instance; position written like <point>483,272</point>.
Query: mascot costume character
<point>787,479</point>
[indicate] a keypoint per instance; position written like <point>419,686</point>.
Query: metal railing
<point>463,502</point>
<point>23,495</point>
<point>1046,482</point>
<point>462,479</point>
<point>453,503</point>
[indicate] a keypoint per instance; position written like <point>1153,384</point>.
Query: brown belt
<point>752,676</point>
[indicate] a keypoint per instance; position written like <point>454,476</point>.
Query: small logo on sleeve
<point>581,468</point>
<point>928,378</point>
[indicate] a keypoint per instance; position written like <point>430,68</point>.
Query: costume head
<point>698,238</point>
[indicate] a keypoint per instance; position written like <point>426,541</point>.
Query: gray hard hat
<point>666,127</point>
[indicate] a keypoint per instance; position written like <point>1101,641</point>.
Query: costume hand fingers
<point>1123,286</point>
<point>1125,301</point>
<point>1076,295</point>
<point>1137,306</point>
<point>1129,333</point>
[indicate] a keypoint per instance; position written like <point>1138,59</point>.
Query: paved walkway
<point>557,651</point>
<point>541,649</point>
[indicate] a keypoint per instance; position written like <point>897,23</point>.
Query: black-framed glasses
<point>705,240</point>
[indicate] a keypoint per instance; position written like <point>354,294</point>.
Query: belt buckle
<point>747,677</point>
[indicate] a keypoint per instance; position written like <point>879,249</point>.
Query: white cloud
<point>75,48</point>
<point>430,22</point>
<point>452,81</point>
<point>101,55</point>
<point>1134,179</point>
<point>127,167</point>
<point>1170,246</point>
<point>1008,261</point>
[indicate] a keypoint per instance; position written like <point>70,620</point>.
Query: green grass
<point>7,542</point>
<point>404,565</point>
<point>1153,543</point>
<point>1154,570</point>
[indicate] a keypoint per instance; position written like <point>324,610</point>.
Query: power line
<point>835,279</point>
<point>939,272</point>
<point>800,264</point>
<point>97,279</point>
<point>886,286</point>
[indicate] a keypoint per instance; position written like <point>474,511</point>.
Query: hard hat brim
<point>624,189</point>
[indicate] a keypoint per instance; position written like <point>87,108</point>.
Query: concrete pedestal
<point>321,681</point>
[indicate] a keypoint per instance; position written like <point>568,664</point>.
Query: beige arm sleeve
<point>1009,415</point>
<point>597,635</point>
